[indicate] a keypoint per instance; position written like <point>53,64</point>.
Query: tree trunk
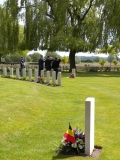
<point>0,58</point>
<point>72,60</point>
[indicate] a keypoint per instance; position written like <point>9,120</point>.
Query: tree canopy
<point>67,25</point>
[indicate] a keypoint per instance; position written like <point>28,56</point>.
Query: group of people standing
<point>49,64</point>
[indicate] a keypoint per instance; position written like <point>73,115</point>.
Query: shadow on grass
<point>95,154</point>
<point>60,156</point>
<point>94,74</point>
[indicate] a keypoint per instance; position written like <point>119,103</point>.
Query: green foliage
<point>52,54</point>
<point>115,62</point>
<point>109,49</point>
<point>9,28</point>
<point>62,25</point>
<point>102,62</point>
<point>10,58</point>
<point>96,59</point>
<point>13,58</point>
<point>21,44</point>
<point>110,58</point>
<point>64,60</point>
<point>35,57</point>
<point>28,58</point>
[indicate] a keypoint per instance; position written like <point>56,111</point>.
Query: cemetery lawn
<point>34,117</point>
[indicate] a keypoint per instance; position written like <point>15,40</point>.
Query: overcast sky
<point>1,1</point>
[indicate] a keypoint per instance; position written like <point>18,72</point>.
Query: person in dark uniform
<point>22,65</point>
<point>48,63</point>
<point>41,65</point>
<point>55,65</point>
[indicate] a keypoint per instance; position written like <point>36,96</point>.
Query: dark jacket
<point>41,63</point>
<point>22,64</point>
<point>56,63</point>
<point>48,64</point>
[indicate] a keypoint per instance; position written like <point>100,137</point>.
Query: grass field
<point>33,117</point>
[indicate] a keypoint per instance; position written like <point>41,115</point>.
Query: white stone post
<point>4,71</point>
<point>53,77</point>
<point>11,71</point>
<point>89,125</point>
<point>48,77</point>
<point>30,74</point>
<point>42,73</point>
<point>36,74</point>
<point>24,72</point>
<point>17,73</point>
<point>73,71</point>
<point>59,78</point>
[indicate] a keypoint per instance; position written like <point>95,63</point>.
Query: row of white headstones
<point>36,74</point>
<point>89,104</point>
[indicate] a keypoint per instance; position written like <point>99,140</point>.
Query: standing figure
<point>22,65</point>
<point>41,65</point>
<point>55,65</point>
<point>48,64</point>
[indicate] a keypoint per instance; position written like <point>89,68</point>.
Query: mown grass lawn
<point>33,117</point>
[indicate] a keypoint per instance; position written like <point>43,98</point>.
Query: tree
<point>35,57</point>
<point>111,50</point>
<point>102,62</point>
<point>64,25</point>
<point>8,27</point>
<point>69,25</point>
<point>52,54</point>
<point>115,62</point>
<point>96,59</point>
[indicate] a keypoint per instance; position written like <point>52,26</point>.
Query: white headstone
<point>59,78</point>
<point>53,77</point>
<point>11,71</point>
<point>4,71</point>
<point>30,73</point>
<point>36,74</point>
<point>48,77</point>
<point>74,71</point>
<point>89,125</point>
<point>42,73</point>
<point>17,73</point>
<point>24,72</point>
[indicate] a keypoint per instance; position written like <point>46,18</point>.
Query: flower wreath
<point>73,141</point>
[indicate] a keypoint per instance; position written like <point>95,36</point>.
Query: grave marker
<point>36,74</point>
<point>53,77</point>
<point>17,73</point>
<point>59,78</point>
<point>30,73</point>
<point>89,125</point>
<point>11,71</point>
<point>48,77</point>
<point>74,71</point>
<point>42,73</point>
<point>4,71</point>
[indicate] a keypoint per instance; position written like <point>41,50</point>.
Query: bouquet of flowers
<point>73,141</point>
<point>40,80</point>
<point>72,75</point>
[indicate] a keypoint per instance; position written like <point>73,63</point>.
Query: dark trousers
<point>21,71</point>
<point>56,70</point>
